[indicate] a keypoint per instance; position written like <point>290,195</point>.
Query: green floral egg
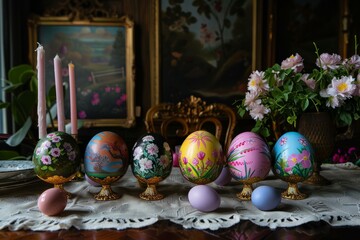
<point>57,154</point>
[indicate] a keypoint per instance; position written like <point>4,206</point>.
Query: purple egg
<point>224,177</point>
<point>204,198</point>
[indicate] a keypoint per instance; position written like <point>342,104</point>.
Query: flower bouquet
<point>281,93</point>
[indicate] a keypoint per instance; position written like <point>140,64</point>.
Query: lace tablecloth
<point>337,204</point>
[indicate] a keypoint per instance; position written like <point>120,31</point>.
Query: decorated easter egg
<point>249,157</point>
<point>52,201</point>
<point>201,157</point>
<point>106,157</point>
<point>204,198</point>
<point>293,157</point>
<point>151,158</point>
<point>247,135</point>
<point>56,158</point>
<point>266,198</point>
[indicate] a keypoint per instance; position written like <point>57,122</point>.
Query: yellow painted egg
<point>201,157</point>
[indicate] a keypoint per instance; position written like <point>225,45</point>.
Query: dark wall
<point>291,31</point>
<point>17,53</point>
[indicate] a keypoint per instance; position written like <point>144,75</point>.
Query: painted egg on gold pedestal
<point>152,162</point>
<point>201,157</point>
<point>294,161</point>
<point>249,161</point>
<point>56,158</point>
<point>106,161</point>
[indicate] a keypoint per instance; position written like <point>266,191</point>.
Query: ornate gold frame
<point>36,21</point>
<point>154,45</point>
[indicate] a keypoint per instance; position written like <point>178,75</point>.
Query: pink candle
<point>41,108</point>
<point>73,110</point>
<point>59,94</point>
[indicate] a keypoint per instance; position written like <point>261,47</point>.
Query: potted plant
<point>21,90</point>
<point>282,93</point>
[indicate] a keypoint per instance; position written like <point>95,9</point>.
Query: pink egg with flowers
<point>248,157</point>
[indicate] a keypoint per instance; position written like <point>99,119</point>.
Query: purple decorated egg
<point>249,158</point>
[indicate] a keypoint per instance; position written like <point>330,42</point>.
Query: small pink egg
<point>52,201</point>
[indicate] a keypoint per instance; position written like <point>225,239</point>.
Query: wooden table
<point>170,231</point>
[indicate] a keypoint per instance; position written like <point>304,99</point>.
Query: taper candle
<point>59,94</point>
<point>73,109</point>
<point>41,108</point>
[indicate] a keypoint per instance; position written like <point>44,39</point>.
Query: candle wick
<point>39,46</point>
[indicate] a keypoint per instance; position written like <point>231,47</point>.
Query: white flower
<point>250,98</point>
<point>328,61</point>
<point>152,149</point>
<point>342,87</point>
<point>310,82</point>
<point>258,110</point>
<point>148,138</point>
<point>257,82</point>
<point>333,101</point>
<point>357,83</point>
<point>137,153</point>
<point>293,62</point>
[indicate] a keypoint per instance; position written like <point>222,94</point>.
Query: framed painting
<point>203,48</point>
<point>103,54</point>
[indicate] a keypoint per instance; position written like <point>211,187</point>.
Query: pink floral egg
<point>201,157</point>
<point>293,155</point>
<point>247,135</point>
<point>249,158</point>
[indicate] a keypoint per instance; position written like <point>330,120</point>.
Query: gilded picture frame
<point>102,50</point>
<point>157,44</point>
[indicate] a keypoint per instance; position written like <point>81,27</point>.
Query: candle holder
<point>57,159</point>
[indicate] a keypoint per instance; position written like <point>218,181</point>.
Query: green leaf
<point>17,74</point>
<point>34,84</point>
<point>51,96</point>
<point>4,104</point>
<point>27,101</point>
<point>345,118</point>
<point>8,154</point>
<point>26,76</point>
<point>18,137</point>
<point>304,104</point>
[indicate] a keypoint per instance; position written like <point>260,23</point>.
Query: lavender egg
<point>204,198</point>
<point>224,177</point>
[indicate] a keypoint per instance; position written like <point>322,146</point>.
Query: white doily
<point>338,204</point>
